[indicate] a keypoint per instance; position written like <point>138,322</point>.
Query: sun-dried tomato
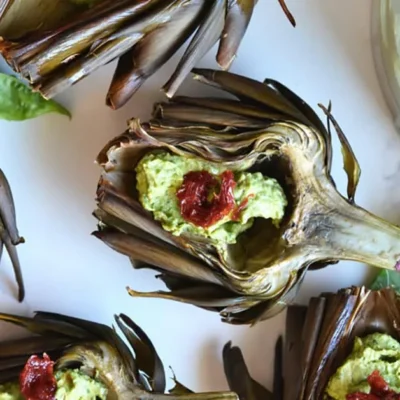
<point>201,204</point>
<point>37,381</point>
<point>379,390</point>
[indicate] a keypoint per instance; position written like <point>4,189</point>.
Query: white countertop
<point>49,163</point>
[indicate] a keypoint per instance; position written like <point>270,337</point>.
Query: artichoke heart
<point>159,176</point>
<point>163,181</point>
<point>75,359</point>
<point>53,44</point>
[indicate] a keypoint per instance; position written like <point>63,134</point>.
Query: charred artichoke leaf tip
<point>9,234</point>
<point>350,162</point>
<point>287,12</point>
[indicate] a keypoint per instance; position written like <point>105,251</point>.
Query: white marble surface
<point>49,162</point>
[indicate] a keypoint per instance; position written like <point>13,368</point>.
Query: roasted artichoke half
<point>9,236</point>
<point>334,326</point>
<point>333,349</point>
<point>84,356</point>
<point>247,271</point>
<point>56,43</point>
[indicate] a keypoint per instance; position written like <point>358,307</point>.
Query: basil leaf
<point>386,278</point>
<point>18,102</point>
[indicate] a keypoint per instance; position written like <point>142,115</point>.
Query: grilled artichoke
<point>95,351</point>
<point>266,129</point>
<point>54,44</point>
<point>319,339</point>
<point>330,326</point>
<point>9,236</point>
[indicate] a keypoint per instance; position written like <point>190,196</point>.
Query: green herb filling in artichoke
<point>160,176</point>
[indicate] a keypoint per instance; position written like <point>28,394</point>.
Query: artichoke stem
<point>351,233</point>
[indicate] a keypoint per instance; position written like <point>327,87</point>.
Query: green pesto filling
<point>160,174</point>
<point>71,385</point>
<point>373,352</point>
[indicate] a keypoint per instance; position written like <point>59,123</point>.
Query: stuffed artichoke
<point>232,200</point>
<point>342,346</point>
<point>352,339</point>
<point>9,236</point>
<point>56,43</point>
<point>70,358</point>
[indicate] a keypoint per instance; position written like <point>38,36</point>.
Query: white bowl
<point>386,51</point>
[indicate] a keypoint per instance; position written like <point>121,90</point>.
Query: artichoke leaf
<point>132,214</point>
<point>350,163</point>
<point>179,128</point>
<point>175,26</point>
<point>19,18</point>
<point>237,20</point>
<point>88,3</point>
<point>308,114</point>
<point>13,254</point>
<point>13,362</point>
<point>9,236</point>
<point>292,351</point>
<point>206,36</point>
<point>132,229</point>
<point>312,322</point>
<point>278,385</point>
<point>4,6</point>
<point>270,306</point>
<point>228,105</point>
<point>7,210</point>
<point>245,88</point>
<point>9,374</point>
<point>175,281</point>
<point>203,296</point>
<point>179,389</point>
<point>87,327</point>
<point>35,345</point>
<point>159,256</point>
<point>108,219</point>
<point>85,65</point>
<point>238,377</point>
<point>190,113</point>
<point>287,12</point>
<point>147,358</point>
<point>45,327</point>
